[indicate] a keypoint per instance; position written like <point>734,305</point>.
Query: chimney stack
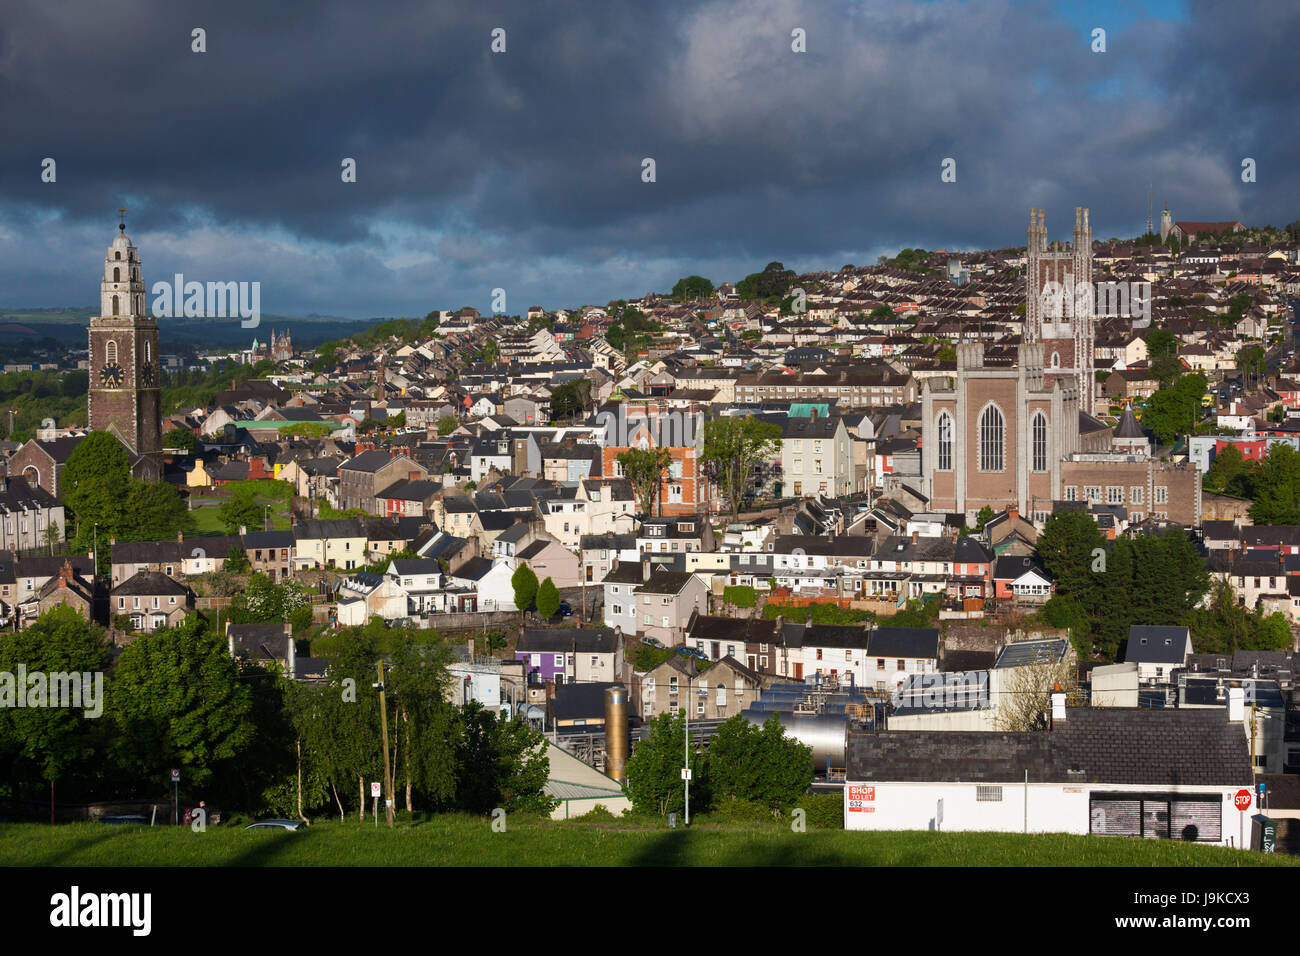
<point>645,571</point>
<point>1058,704</point>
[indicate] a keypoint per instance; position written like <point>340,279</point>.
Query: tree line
<point>244,736</point>
<point>1104,587</point>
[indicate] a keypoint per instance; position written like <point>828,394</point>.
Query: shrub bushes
<point>825,810</point>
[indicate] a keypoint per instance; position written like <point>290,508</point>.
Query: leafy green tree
<point>500,763</point>
<point>181,438</point>
<point>1110,629</point>
<point>241,509</point>
<point>571,398</point>
<point>1250,361</point>
<point>1231,473</point>
<point>1062,610</point>
<point>691,288</point>
<point>985,515</point>
<point>1170,578</point>
<point>654,779</point>
<point>1166,369</point>
<point>734,448</point>
<point>1277,487</point>
<point>237,562</point>
<point>1223,625</point>
<point>645,468</point>
<point>1161,342</point>
<point>95,486</point>
<point>52,535</point>
<point>762,766</point>
<point>425,725</point>
<point>1175,409</point>
<point>446,425</point>
<point>40,738</point>
<point>548,599</point>
<point>1068,546</point>
<point>154,511</point>
<point>262,601</point>
<point>177,701</point>
<point>524,582</point>
<point>770,284</point>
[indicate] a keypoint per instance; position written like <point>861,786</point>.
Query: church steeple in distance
<point>123,342</point>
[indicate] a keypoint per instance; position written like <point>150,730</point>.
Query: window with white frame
<point>1135,495</point>
<point>1162,494</point>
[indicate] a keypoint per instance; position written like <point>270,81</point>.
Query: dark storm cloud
<point>522,170</point>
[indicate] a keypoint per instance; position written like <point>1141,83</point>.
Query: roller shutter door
<point>1199,820</point>
<point>1116,817</point>
<point>1157,816</point>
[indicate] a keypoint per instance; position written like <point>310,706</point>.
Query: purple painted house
<point>568,654</point>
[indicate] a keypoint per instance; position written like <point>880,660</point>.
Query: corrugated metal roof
<point>564,790</point>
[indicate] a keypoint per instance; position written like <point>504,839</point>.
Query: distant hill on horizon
<point>67,327</point>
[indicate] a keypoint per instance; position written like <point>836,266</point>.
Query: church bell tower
<point>124,389</point>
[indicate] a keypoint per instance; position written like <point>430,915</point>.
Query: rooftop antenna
<point>122,219</point>
<point>1149,209</point>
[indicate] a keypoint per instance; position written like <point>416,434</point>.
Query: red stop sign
<point>1242,800</point>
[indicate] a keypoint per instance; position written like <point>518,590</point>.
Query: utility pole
<point>1254,786</point>
<point>383,722</point>
<point>688,751</point>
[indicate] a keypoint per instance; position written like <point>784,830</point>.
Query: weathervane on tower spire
<point>122,219</point>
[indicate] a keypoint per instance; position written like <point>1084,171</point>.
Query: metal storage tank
<point>616,733</point>
<point>825,735</point>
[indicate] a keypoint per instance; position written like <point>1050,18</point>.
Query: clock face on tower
<point>112,376</point>
<point>147,374</point>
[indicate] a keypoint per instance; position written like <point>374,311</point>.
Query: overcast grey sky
<point>522,170</point>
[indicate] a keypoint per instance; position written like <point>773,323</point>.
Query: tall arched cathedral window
<point>992,430</point>
<point>1038,442</point>
<point>945,442</point>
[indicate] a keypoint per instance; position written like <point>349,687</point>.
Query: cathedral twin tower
<point>1059,304</point>
<point>1002,436</point>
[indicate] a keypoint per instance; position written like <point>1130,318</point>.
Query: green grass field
<point>460,841</point>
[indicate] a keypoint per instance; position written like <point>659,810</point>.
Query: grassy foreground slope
<point>461,841</point>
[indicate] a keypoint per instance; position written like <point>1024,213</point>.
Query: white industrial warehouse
<point>1173,774</point>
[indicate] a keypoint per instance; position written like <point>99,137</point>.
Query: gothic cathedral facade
<point>1023,435</point>
<point>125,397</point>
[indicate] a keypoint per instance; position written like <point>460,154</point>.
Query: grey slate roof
<point>554,640</point>
<point>1149,644</point>
<point>149,583</point>
<point>1111,745</point>
<point>922,642</point>
<point>579,701</point>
